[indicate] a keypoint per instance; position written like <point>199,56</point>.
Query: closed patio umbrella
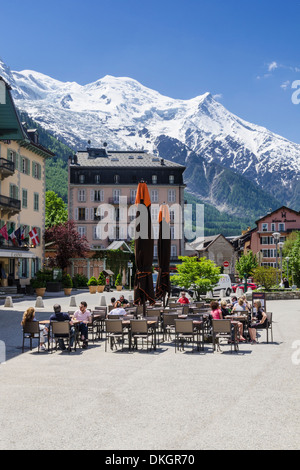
<point>163,285</point>
<point>143,284</point>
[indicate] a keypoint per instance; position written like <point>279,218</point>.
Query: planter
<point>40,291</point>
<point>119,288</point>
<point>100,289</point>
<point>93,289</point>
<point>67,290</point>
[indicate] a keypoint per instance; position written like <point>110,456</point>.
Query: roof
<point>124,159</point>
<point>282,208</point>
<point>203,243</point>
<point>118,244</point>
<point>11,127</point>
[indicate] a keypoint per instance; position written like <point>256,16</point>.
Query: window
<point>97,196</point>
<point>269,253</point>
<point>171,195</point>
<point>36,170</point>
<point>116,196</point>
<point>97,179</point>
<point>117,179</point>
<point>132,196</point>
<point>24,268</point>
<point>173,251</point>
<point>81,213</point>
<point>154,195</point>
<point>171,179</point>
<point>81,179</point>
<point>82,231</point>
<point>13,191</point>
<point>81,195</point>
<point>265,227</point>
<point>154,179</point>
<point>281,227</point>
<point>273,227</point>
<point>25,165</point>
<point>36,199</point>
<point>97,232</point>
<point>12,156</point>
<point>24,198</point>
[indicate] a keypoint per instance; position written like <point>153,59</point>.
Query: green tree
<point>266,276</point>
<point>245,266</point>
<point>201,275</point>
<point>294,261</point>
<point>56,210</point>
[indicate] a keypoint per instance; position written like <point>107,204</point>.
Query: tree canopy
<point>200,275</point>
<point>56,210</point>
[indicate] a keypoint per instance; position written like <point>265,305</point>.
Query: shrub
<point>80,280</point>
<point>92,281</point>
<point>101,279</point>
<point>67,281</point>
<point>118,280</point>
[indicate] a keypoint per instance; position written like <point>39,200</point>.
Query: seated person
<point>183,299</point>
<point>84,317</point>
<point>123,301</point>
<point>261,321</point>
<point>216,311</point>
<point>58,315</point>
<point>233,301</point>
<point>239,306</point>
<point>118,309</point>
<point>224,308</point>
<point>28,316</point>
<point>112,301</point>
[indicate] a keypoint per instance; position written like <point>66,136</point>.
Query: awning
<point>108,272</point>
<point>16,254</point>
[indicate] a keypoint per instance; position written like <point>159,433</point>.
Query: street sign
<point>130,265</point>
<point>226,264</point>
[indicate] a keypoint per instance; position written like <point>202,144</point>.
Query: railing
<point>7,165</point>
<point>10,203</point>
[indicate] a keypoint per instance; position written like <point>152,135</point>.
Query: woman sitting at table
<point>261,321</point>
<point>224,308</point>
<point>29,315</point>
<point>118,309</point>
<point>216,311</point>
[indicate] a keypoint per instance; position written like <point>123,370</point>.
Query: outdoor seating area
<point>152,328</point>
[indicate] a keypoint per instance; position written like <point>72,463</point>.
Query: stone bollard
<point>8,302</point>
<point>39,302</point>
<point>73,302</point>
<point>222,293</point>
<point>103,301</point>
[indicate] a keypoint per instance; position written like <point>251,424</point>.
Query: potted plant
<point>39,284</point>
<point>119,282</point>
<point>101,282</point>
<point>92,285</point>
<point>67,284</point>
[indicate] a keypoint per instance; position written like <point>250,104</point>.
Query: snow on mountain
<point>126,114</point>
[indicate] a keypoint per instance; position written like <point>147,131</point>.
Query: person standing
<point>83,316</point>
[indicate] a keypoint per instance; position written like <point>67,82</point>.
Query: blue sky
<point>244,52</point>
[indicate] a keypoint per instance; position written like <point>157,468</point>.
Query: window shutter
<point>76,213</point>
<point>92,195</point>
<point>86,213</point>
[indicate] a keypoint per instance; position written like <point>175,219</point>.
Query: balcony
<point>9,205</point>
<point>7,168</point>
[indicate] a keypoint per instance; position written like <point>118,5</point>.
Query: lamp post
<point>280,244</point>
<point>276,236</point>
<point>287,259</point>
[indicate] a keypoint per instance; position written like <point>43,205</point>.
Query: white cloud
<point>272,66</point>
<point>218,96</point>
<point>285,85</point>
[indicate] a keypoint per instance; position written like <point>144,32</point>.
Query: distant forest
<point>215,222</point>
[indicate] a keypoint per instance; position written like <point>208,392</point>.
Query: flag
<point>12,236</point>
<point>4,232</point>
<point>34,236</point>
<point>23,233</point>
<point>18,236</point>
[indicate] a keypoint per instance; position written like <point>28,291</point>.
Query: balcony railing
<point>7,167</point>
<point>10,204</point>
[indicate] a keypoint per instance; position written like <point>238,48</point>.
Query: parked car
<point>223,284</point>
<point>242,286</point>
<point>175,291</point>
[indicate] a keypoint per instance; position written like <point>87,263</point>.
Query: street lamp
<point>287,259</point>
<point>276,236</point>
<point>280,244</point>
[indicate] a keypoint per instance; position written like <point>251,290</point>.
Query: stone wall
<point>283,295</point>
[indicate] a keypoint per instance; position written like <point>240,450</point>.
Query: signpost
<point>130,266</point>
<point>226,264</point>
<point>261,296</point>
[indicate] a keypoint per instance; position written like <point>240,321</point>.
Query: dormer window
<point>171,179</point>
<point>97,179</point>
<point>81,179</point>
<point>154,179</point>
<point>117,179</point>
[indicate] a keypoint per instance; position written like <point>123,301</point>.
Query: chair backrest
<point>221,326</point>
<point>110,307</point>
<point>138,326</point>
<point>60,327</point>
<point>139,309</point>
<point>173,304</point>
<point>113,326</point>
<point>113,317</point>
<point>153,312</point>
<point>185,309</point>
<point>169,319</point>
<point>184,326</point>
<point>100,309</point>
<point>269,317</point>
<point>31,327</point>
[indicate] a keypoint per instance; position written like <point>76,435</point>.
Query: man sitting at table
<point>123,301</point>
<point>183,299</point>
<point>58,315</point>
<point>84,317</point>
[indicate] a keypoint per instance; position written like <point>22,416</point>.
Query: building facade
<point>102,192</point>
<point>22,195</point>
<point>283,222</point>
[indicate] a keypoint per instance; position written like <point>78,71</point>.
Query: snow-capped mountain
<point>127,115</point>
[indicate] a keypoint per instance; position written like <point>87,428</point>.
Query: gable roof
<point>282,208</point>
